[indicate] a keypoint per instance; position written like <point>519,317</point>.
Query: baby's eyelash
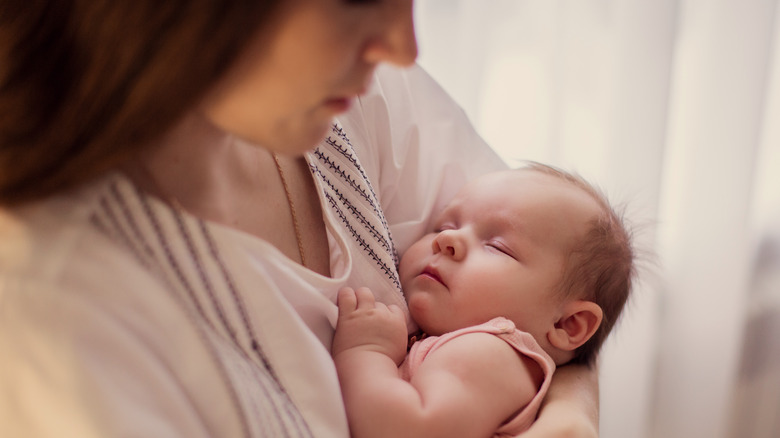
<point>500,248</point>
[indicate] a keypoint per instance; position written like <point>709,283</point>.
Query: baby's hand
<point>366,324</point>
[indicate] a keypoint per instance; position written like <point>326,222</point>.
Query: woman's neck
<point>220,178</point>
<point>201,168</point>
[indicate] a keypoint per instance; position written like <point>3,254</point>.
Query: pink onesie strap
<point>505,329</point>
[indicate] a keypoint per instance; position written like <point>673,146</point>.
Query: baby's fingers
<point>365,298</point>
<point>347,300</point>
<point>397,312</point>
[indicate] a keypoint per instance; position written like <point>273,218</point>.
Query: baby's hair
<point>601,266</point>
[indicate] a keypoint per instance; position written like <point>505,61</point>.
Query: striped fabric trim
<point>181,251</point>
<point>343,179</point>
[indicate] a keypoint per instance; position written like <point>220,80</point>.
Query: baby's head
<point>536,245</point>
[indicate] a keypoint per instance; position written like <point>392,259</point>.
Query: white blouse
<point>121,316</point>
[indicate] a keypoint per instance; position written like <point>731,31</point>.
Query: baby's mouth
<point>433,274</point>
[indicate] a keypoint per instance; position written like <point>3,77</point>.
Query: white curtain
<point>672,107</point>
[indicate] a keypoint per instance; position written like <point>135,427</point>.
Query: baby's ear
<point>579,321</point>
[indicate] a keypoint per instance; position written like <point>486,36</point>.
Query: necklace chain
<point>174,202</point>
<point>291,204</point>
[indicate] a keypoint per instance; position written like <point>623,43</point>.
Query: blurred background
<point>672,107</point>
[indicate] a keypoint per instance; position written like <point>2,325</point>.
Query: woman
<point>175,228</point>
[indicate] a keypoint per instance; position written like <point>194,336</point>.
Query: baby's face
<point>498,249</point>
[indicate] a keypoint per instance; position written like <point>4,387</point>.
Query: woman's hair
<point>86,83</point>
<point>602,265</point>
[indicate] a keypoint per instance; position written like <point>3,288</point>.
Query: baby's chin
<point>420,311</point>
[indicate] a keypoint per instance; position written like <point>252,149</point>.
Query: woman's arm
<point>571,408</point>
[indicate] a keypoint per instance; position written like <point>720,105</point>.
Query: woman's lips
<point>338,104</point>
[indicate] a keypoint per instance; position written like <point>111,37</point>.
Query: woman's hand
<point>366,324</point>
<point>571,407</point>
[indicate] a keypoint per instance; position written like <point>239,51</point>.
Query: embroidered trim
<point>349,154</point>
<point>357,214</point>
<point>275,410</point>
<point>147,262</point>
<point>212,246</point>
<point>354,177</point>
<point>348,178</point>
<point>340,133</point>
<point>391,273</point>
<point>203,277</point>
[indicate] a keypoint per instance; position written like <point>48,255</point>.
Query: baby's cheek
<point>416,302</point>
<point>407,276</point>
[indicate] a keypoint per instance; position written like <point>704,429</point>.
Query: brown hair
<point>86,83</point>
<point>601,266</point>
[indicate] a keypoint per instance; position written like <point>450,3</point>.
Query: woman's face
<point>307,66</point>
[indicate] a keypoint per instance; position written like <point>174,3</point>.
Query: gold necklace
<point>291,204</point>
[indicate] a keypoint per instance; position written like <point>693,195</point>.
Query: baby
<point>526,270</point>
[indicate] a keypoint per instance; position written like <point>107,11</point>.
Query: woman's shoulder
<point>76,305</point>
<point>48,239</point>
<point>70,260</point>
<point>59,251</point>
<point>37,240</point>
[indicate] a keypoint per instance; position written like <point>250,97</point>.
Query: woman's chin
<point>294,142</point>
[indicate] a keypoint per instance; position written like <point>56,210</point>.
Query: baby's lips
<point>433,273</point>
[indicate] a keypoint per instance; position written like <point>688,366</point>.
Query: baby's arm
<point>468,387</point>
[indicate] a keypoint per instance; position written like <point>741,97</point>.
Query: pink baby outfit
<point>521,341</point>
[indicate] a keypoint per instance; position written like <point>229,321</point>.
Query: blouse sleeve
<point>417,147</point>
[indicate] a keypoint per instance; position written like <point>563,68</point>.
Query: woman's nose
<point>450,243</point>
<point>396,42</point>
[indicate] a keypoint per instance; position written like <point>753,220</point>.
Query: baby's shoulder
<point>487,364</point>
<point>480,351</point>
